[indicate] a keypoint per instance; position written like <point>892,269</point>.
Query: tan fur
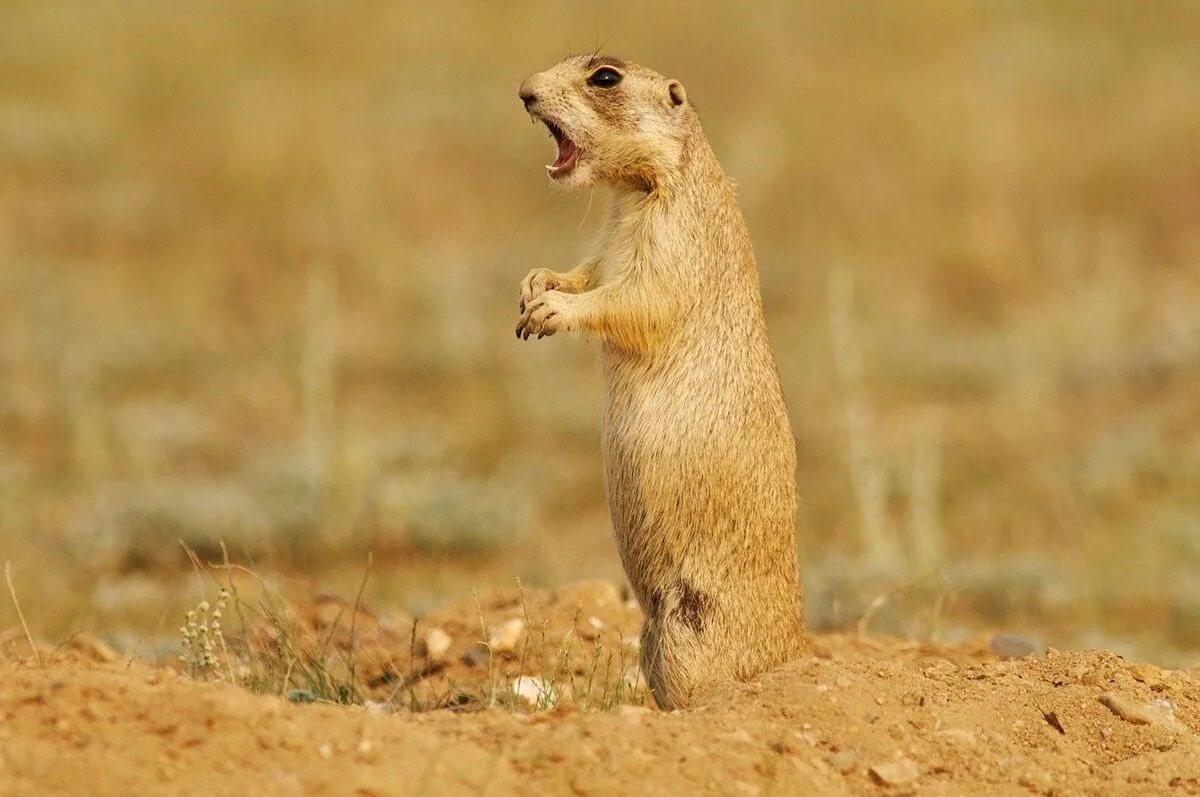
<point>699,455</point>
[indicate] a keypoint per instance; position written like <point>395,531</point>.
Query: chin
<point>579,176</point>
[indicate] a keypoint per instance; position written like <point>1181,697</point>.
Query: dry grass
<point>258,269</point>
<point>250,634</point>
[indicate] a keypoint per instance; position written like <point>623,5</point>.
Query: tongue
<point>566,151</point>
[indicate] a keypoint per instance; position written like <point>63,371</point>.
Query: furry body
<point>699,455</point>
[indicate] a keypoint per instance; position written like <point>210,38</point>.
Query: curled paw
<point>547,313</point>
<point>536,283</point>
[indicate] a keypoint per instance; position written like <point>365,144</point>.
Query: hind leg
<point>680,650</point>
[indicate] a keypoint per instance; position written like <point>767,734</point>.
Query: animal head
<point>613,122</point>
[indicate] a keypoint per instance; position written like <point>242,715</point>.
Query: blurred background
<point>258,280</point>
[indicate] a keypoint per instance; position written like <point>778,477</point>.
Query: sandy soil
<point>863,715</point>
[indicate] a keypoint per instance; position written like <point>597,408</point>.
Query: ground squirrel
<point>698,452</point>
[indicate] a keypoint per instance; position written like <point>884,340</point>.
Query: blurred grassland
<point>258,268</point>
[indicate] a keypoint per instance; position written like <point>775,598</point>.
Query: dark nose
<point>525,92</point>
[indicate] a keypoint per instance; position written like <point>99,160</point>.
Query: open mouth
<point>568,153</point>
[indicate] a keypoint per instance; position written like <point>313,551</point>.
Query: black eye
<point>604,78</point>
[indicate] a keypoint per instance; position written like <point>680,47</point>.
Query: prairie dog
<point>698,452</point>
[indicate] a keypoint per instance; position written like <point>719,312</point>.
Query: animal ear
<point>676,92</point>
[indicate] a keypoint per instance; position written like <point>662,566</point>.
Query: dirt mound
<point>860,716</point>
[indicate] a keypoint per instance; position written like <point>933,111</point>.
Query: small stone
<point>325,751</point>
<point>1159,712</point>
<point>534,691</point>
<point>504,637</point>
<point>1013,646</point>
<point>477,656</point>
<point>844,761</point>
<point>896,773</point>
<point>437,643</point>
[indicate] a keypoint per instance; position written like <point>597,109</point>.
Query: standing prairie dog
<point>699,456</point>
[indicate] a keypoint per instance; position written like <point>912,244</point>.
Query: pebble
<point>504,637</point>
<point>437,644</point>
<point>1013,646</point>
<point>844,761</point>
<point>533,690</point>
<point>896,773</point>
<point>476,656</point>
<point>1159,712</point>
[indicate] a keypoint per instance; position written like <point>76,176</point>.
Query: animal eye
<point>604,78</point>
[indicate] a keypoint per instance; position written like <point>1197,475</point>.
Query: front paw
<point>536,283</point>
<point>550,312</point>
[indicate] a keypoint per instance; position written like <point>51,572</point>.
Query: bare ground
<point>863,715</point>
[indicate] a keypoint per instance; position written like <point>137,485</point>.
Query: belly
<point>699,469</point>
